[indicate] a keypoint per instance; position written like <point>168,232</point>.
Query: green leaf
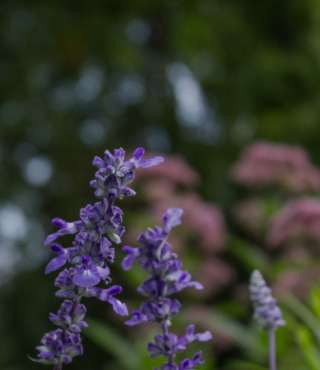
<point>304,314</point>
<point>250,256</point>
<point>109,340</point>
<point>315,301</point>
<point>243,365</point>
<point>309,350</point>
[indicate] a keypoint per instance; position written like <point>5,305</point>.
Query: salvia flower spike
<point>85,263</point>
<point>165,278</point>
<point>266,312</point>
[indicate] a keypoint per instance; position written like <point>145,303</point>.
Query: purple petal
<point>190,364</point>
<point>105,247</point>
<point>197,359</point>
<point>114,290</point>
<point>196,285</point>
<point>59,222</point>
<point>186,365</point>
<point>107,294</point>
<point>119,153</point>
<point>136,319</point>
<point>204,336</point>
<point>67,228</point>
<point>51,238</point>
<point>103,272</point>
<point>80,311</point>
<point>190,330</point>
<point>172,218</point>
<point>93,183</point>
<point>57,248</point>
<point>138,153</point>
<point>154,350</point>
<point>108,156</point>
<point>86,278</point>
<point>146,163</point>
<point>56,263</point>
<point>128,192</point>
<point>119,307</point>
<point>128,261</point>
<point>98,162</point>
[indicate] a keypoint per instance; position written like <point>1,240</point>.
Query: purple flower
<point>59,346</point>
<point>266,311</point>
<point>165,278</point>
<point>70,315</point>
<point>86,261</point>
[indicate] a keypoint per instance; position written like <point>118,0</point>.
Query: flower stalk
<point>272,349</point>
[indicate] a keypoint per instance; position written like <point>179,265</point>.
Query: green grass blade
<point>109,340</point>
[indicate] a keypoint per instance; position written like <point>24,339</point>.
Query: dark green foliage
<point>67,68</point>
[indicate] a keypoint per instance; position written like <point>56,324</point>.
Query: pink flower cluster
<point>204,219</point>
<point>267,164</point>
<point>298,221</point>
<point>297,281</point>
<point>162,190</point>
<point>252,216</point>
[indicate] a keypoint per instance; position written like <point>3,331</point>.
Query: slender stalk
<point>272,349</point>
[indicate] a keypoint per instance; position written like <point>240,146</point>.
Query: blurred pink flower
<point>251,215</point>
<point>297,282</point>
<point>175,169</point>
<point>204,219</point>
<point>264,164</point>
<point>299,220</point>
<point>158,189</point>
<point>214,275</point>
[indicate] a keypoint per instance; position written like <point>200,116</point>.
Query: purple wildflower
<point>266,312</point>
<point>166,277</point>
<point>86,262</point>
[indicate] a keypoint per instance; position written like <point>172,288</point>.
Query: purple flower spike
<point>266,311</point>
<point>165,278</point>
<point>86,262</point>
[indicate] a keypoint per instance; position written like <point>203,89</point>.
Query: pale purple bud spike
<point>266,311</point>
<point>165,278</point>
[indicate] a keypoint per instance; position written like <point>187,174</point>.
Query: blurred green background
<point>201,79</point>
